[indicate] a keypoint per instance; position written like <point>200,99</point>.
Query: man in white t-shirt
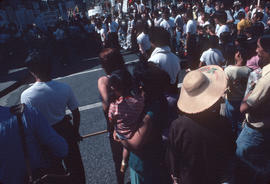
<point>221,19</point>
<point>157,18</point>
<point>167,23</point>
<point>52,98</point>
<point>212,56</point>
<point>162,55</point>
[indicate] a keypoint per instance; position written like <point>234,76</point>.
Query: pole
<point>259,2</point>
<point>94,134</point>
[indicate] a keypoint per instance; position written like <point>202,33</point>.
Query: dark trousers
<point>73,162</point>
<point>117,150</point>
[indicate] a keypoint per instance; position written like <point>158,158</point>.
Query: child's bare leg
<point>124,160</point>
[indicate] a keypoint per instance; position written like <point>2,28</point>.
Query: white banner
<point>112,3</point>
<point>125,6</point>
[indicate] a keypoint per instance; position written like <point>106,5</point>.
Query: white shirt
<point>157,21</point>
<point>191,27</point>
<point>167,61</point>
<point>102,32</point>
<point>143,40</point>
<point>168,25</point>
<point>212,57</point>
<point>51,99</point>
<point>222,29</point>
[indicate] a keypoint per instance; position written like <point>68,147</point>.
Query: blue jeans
<point>233,114</point>
<point>253,153</point>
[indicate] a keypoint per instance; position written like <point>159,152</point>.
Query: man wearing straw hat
<point>200,146</point>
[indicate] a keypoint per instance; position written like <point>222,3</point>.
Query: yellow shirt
<point>244,23</point>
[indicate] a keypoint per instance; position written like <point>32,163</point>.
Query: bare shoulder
<point>103,84</point>
<point>103,81</point>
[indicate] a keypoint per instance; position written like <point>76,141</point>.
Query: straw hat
<point>201,89</point>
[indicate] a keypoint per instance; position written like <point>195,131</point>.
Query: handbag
<point>42,177</point>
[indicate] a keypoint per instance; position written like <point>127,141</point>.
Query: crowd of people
<point>210,128</point>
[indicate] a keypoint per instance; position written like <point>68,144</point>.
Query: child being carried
<point>125,110</point>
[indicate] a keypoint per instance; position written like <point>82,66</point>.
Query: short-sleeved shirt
<point>254,76</point>
<point>51,99</point>
<point>212,57</point>
<point>244,23</point>
<point>157,21</point>
<point>191,27</point>
<point>126,112</point>
<point>168,25</point>
<point>259,101</point>
<point>143,40</point>
<point>222,29</point>
<point>237,79</point>
<point>167,61</point>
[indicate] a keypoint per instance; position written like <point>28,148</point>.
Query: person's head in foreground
<point>202,90</point>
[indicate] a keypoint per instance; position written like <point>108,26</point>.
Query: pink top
<point>126,113</point>
<point>253,62</point>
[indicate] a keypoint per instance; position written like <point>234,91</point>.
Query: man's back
<point>167,61</point>
<point>212,57</point>
<point>200,152</point>
<point>51,99</point>
<point>37,133</point>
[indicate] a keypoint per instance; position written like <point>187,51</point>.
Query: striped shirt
<point>125,113</point>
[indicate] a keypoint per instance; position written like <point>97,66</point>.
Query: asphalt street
<point>82,76</point>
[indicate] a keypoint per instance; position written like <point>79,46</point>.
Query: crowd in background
<point>210,128</point>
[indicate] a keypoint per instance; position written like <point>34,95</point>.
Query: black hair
<point>153,80</point>
<point>225,37</point>
<point>241,15</point>
<point>213,41</point>
<point>265,43</point>
<point>121,80</point>
<point>221,16</point>
<point>111,59</point>
<point>243,52</point>
<point>159,36</point>
<point>259,15</point>
<point>189,14</point>
<point>38,62</point>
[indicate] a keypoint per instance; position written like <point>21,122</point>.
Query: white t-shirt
<point>167,61</point>
<point>51,99</point>
<point>191,27</point>
<point>222,29</point>
<point>212,57</point>
<point>168,25</point>
<point>102,32</point>
<point>143,40</point>
<point>157,21</point>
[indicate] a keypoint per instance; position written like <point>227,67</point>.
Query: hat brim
<point>217,84</point>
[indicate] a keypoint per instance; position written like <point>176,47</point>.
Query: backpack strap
<point>18,111</point>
